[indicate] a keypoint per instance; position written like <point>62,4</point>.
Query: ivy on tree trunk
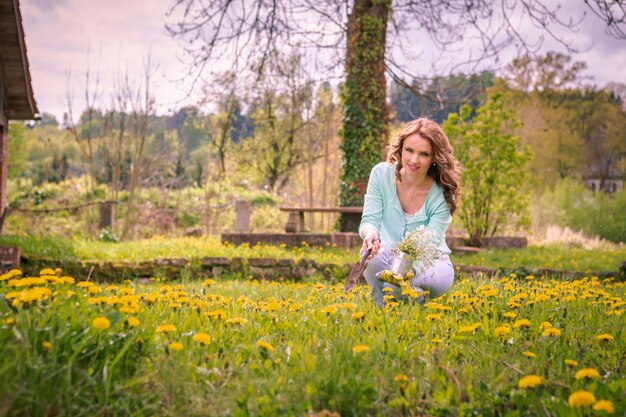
<point>366,114</point>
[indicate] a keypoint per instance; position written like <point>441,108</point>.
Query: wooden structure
<point>295,222</point>
<point>17,101</point>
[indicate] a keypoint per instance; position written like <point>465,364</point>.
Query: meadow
<point>503,346</point>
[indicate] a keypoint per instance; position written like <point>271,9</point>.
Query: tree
<point>495,174</point>
<point>357,34</point>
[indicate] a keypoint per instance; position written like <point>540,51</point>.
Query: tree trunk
<point>366,114</point>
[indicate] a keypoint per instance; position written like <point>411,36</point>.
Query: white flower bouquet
<point>421,246</point>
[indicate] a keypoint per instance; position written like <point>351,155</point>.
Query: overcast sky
<point>121,33</point>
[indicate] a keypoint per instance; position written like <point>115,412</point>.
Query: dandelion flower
<point>604,405</point>
<point>570,362</point>
<point>175,346</point>
<point>529,354</point>
<point>101,323</point>
<point>581,399</point>
<point>509,314</point>
<point>604,336</point>
<point>166,328</point>
<point>358,316</point>
<point>400,378</point>
<point>545,325</point>
<point>551,331</point>
<point>208,282</point>
<point>587,373</point>
<point>502,330</point>
<point>45,345</point>
<point>133,322</point>
<point>237,320</point>
<point>436,340</point>
<point>202,338</point>
<point>332,309</point>
<point>360,349</point>
<point>530,381</point>
<point>521,323</point>
<point>469,328</point>
<point>433,317</point>
<point>264,345</point>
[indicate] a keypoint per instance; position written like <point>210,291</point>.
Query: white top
<point>407,216</point>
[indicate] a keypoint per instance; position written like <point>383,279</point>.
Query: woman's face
<point>417,155</point>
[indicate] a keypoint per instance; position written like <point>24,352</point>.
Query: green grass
<point>298,349</point>
<point>560,258</point>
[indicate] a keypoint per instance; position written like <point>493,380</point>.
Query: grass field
<point>554,257</point>
<point>515,346</point>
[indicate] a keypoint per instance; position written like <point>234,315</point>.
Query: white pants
<point>436,279</point>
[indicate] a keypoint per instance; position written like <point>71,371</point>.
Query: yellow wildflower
<point>101,323</point>
<point>264,345</point>
<point>237,320</point>
<point>133,322</point>
<point>400,378</point>
<point>604,405</point>
<point>360,349</point>
<point>521,323</point>
<point>45,345</point>
<point>433,317</point>
<point>604,336</point>
<point>570,362</point>
<point>436,340</point>
<point>202,338</point>
<point>208,282</point>
<point>581,399</point>
<point>551,331</point>
<point>166,328</point>
<point>587,373</point>
<point>509,314</point>
<point>502,330</point>
<point>175,346</point>
<point>529,354</point>
<point>469,328</point>
<point>530,381</point>
<point>358,316</point>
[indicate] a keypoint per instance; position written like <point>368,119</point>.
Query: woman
<point>417,185</point>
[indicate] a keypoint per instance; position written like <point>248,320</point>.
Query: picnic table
<point>295,221</point>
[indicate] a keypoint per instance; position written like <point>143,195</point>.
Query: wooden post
<point>242,216</point>
<point>4,159</point>
<point>9,258</point>
<point>107,216</point>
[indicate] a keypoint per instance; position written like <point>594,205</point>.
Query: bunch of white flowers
<point>422,246</point>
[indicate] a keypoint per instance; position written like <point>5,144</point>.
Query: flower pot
<point>400,263</point>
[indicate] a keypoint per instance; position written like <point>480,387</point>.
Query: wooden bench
<point>295,221</point>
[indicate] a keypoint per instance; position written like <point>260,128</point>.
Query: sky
<point>66,37</point>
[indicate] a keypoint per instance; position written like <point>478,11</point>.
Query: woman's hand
<point>371,240</point>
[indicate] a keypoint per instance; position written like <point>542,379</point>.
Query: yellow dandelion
<point>45,345</point>
<point>510,314</point>
<point>530,381</point>
<point>521,323</point>
<point>47,271</point>
<point>360,349</point>
<point>436,340</point>
<point>332,309</point>
<point>502,330</point>
<point>570,362</point>
<point>551,331</point>
<point>400,378</point>
<point>101,323</point>
<point>358,315</point>
<point>133,322</point>
<point>433,317</point>
<point>545,325</point>
<point>295,307</point>
<point>604,336</point>
<point>469,328</point>
<point>208,282</point>
<point>175,346</point>
<point>581,399</point>
<point>202,338</point>
<point>529,354</point>
<point>166,328</point>
<point>604,405</point>
<point>590,373</point>
<point>237,320</point>
<point>264,345</point>
<point>387,289</point>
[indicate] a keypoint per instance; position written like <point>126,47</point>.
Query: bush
<point>570,204</point>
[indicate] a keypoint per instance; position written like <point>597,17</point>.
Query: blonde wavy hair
<point>446,172</point>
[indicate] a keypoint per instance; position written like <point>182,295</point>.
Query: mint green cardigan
<point>383,212</point>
